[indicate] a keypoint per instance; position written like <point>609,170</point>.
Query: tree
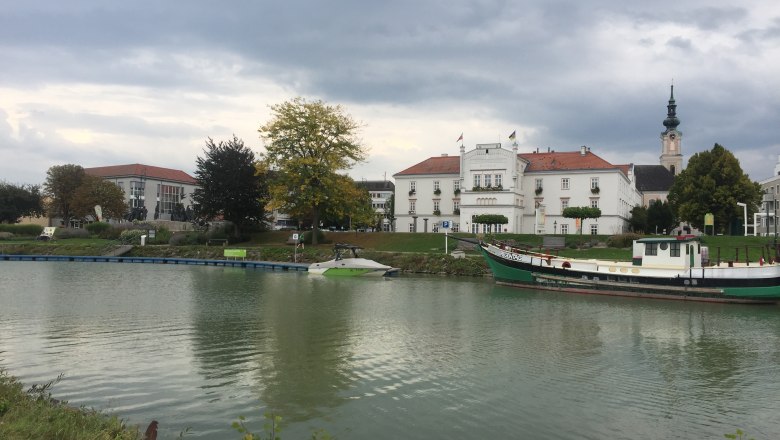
<point>638,220</point>
<point>228,185</point>
<point>490,219</point>
<point>308,143</point>
<point>713,182</point>
<point>61,183</point>
<point>18,201</point>
<point>582,213</point>
<point>660,217</point>
<point>95,191</point>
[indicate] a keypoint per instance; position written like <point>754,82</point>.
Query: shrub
<point>98,228</point>
<point>26,229</point>
<point>187,239</point>
<point>320,237</point>
<point>131,236</point>
<point>161,236</point>
<point>65,233</point>
<point>6,235</point>
<point>622,240</point>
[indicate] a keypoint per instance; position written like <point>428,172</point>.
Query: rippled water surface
<point>409,357</point>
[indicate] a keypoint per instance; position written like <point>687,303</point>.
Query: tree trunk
<point>315,225</point>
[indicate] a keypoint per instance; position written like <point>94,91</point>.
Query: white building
<point>530,189</point>
<point>770,203</point>
<point>153,191</point>
<point>381,191</point>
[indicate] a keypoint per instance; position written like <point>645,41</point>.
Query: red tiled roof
<point>140,170</point>
<point>434,165</point>
<point>564,161</point>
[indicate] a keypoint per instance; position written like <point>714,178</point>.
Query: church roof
<point>653,178</point>
<point>140,170</point>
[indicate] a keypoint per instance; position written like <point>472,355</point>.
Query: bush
<point>161,236</point>
<point>98,228</point>
<point>65,233</point>
<point>131,236</point>
<point>187,239</point>
<point>26,229</point>
<point>6,235</point>
<point>320,237</point>
<point>622,240</point>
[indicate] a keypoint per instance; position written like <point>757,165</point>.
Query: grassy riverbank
<point>33,414</point>
<point>413,253</point>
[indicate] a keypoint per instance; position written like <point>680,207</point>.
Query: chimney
<point>548,149</point>
<point>583,149</point>
<point>444,155</point>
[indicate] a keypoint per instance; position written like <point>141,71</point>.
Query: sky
<point>100,82</point>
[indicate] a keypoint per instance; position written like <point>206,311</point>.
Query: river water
<point>409,357</point>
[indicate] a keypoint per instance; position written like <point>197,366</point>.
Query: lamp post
<point>555,227</point>
<point>744,209</point>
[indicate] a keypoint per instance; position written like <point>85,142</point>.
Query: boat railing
<point>767,254</point>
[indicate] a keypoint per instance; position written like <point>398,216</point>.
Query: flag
<point>513,135</point>
<point>460,138</point>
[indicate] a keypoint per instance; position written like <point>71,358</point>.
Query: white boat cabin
<point>668,252</point>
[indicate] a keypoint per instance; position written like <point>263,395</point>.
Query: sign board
<point>152,233</point>
<point>296,237</point>
<point>235,253</point>
<point>709,219</point>
<point>445,224</point>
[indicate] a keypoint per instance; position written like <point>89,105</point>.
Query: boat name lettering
<point>510,256</point>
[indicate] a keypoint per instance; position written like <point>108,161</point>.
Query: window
<point>456,184</point>
<point>455,205</point>
<point>475,228</point>
<point>538,184</point>
<point>412,186</point>
<point>564,228</point>
<point>412,205</point>
<point>411,227</point>
<point>169,198</point>
<point>455,227</point>
<point>498,180</point>
<point>594,182</point>
<point>436,185</point>
<point>594,229</point>
<point>137,194</point>
<point>651,248</point>
<point>488,182</point>
<point>594,203</point>
<point>477,180</point>
<point>674,250</point>
<point>564,204</point>
<point>436,205</point>
<point>565,183</point>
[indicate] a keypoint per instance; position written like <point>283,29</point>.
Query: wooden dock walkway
<point>267,265</point>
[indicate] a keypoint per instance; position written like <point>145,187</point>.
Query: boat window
<point>674,250</point>
<point>663,246</point>
<point>651,249</point>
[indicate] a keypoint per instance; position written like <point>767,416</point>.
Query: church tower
<point>671,138</point>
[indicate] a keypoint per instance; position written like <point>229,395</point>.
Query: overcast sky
<point>108,83</point>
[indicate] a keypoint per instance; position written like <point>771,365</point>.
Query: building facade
<point>381,192</point>
<point>530,189</point>
<point>151,193</point>
<point>770,204</point>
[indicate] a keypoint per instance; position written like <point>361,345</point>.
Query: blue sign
<point>445,224</point>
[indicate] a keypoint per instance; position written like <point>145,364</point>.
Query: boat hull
<point>351,267</point>
<point>755,285</point>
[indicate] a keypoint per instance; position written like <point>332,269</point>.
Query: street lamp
<point>744,208</point>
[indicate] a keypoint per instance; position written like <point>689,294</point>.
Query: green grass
<point>34,415</point>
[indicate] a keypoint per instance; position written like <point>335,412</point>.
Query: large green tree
<point>61,183</point>
<point>638,220</point>
<point>17,201</point>
<point>713,182</point>
<point>228,185</point>
<point>660,217</point>
<point>307,144</point>
<point>96,191</point>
